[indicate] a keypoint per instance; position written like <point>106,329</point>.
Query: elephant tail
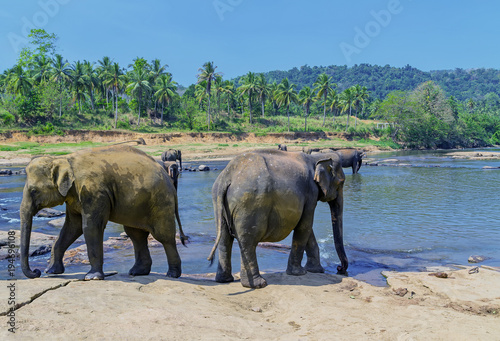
<point>222,218</point>
<point>182,236</point>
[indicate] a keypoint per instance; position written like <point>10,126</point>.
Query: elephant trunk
<point>336,210</point>
<point>180,161</point>
<point>26,216</point>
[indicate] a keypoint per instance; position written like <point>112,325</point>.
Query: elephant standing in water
<point>172,155</point>
<point>100,185</point>
<point>262,196</point>
<point>351,158</point>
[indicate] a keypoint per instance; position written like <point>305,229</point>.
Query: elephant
<point>262,196</point>
<point>309,150</point>
<point>351,158</point>
<point>100,185</point>
<point>139,141</point>
<point>282,147</point>
<point>172,155</point>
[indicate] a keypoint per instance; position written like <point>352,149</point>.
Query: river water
<point>424,210</point>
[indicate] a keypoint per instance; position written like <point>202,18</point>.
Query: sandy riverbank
<point>312,307</point>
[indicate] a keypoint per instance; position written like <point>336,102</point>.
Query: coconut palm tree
<point>207,74</point>
<point>78,83</point>
<point>306,98</point>
<point>60,74</point>
<point>249,88</point>
<point>273,90</point>
<point>323,86</point>
<point>263,91</point>
<point>333,103</point>
<point>166,90</point>
<point>115,79</point>
<point>139,86</point>
<point>41,72</point>
<point>347,98</point>
<point>103,68</point>
<point>200,92</point>
<point>19,81</point>
<point>361,94</point>
<point>228,90</point>
<point>286,95</point>
<point>219,89</point>
<point>92,80</point>
<point>157,69</point>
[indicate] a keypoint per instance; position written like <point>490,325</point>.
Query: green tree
<point>60,74</point>
<point>139,86</point>
<point>207,74</point>
<point>323,86</point>
<point>306,98</point>
<point>285,96</point>
<point>114,78</point>
<point>78,83</point>
<point>19,81</point>
<point>263,91</point>
<point>249,88</point>
<point>166,91</point>
<point>347,98</point>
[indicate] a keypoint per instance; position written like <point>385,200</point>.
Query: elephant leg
<point>224,269</point>
<point>301,236</point>
<point>313,259</point>
<point>71,230</point>
<point>143,260</point>
<point>250,275</point>
<point>93,231</point>
<point>166,236</point>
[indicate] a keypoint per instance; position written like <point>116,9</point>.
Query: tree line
<point>44,89</point>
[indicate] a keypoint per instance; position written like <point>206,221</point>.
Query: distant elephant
<point>309,150</point>
<point>172,155</point>
<point>351,158</point>
<point>139,141</point>
<point>282,147</point>
<point>98,185</point>
<point>262,196</point>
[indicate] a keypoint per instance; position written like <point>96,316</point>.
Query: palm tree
<point>219,88</point>
<point>286,95</point>
<point>19,81</point>
<point>78,83</point>
<point>41,69</point>
<point>306,98</point>
<point>347,98</point>
<point>92,81</point>
<point>228,90</point>
<point>361,95</point>
<point>60,73</point>
<point>333,103</point>
<point>249,88</point>
<point>166,91</point>
<point>273,90</point>
<point>207,74</point>
<point>263,90</point>
<point>200,92</point>
<point>103,68</point>
<point>139,85</point>
<point>156,71</point>
<point>323,86</point>
<point>115,79</point>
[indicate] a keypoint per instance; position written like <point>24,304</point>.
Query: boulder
<point>49,213</point>
<point>5,172</point>
<point>477,259</point>
<point>203,168</point>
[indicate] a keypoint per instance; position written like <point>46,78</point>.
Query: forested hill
<point>381,80</point>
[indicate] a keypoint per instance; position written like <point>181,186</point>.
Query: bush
<point>122,125</point>
<point>7,118</point>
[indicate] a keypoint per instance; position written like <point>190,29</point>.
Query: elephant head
<point>329,177</point>
<point>48,181</point>
<point>172,155</point>
<point>173,171</point>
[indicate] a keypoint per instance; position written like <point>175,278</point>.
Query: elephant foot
<point>55,269</point>
<point>174,272</point>
<point>314,268</point>
<point>296,271</point>
<point>98,275</point>
<point>341,270</point>
<point>224,278</point>
<point>139,271</point>
<point>257,282</point>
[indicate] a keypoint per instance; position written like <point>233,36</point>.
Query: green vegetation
<point>45,94</point>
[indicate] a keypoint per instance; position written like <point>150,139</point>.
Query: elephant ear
<point>327,179</point>
<point>62,175</point>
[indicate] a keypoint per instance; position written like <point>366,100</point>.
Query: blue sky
<point>245,35</point>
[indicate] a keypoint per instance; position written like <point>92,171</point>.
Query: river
<point>424,211</point>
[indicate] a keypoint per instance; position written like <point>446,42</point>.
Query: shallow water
<point>432,211</point>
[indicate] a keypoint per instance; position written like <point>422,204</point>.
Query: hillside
<point>381,80</point>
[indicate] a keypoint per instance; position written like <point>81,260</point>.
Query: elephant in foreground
<point>100,185</point>
<point>262,196</point>
<point>172,155</point>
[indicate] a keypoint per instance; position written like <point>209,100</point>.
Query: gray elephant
<point>351,158</point>
<point>98,185</point>
<point>262,196</point>
<point>282,147</point>
<point>172,155</point>
<point>309,150</point>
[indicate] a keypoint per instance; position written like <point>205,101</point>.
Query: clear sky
<point>261,35</point>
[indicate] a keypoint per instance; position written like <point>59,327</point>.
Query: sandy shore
<point>312,307</point>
